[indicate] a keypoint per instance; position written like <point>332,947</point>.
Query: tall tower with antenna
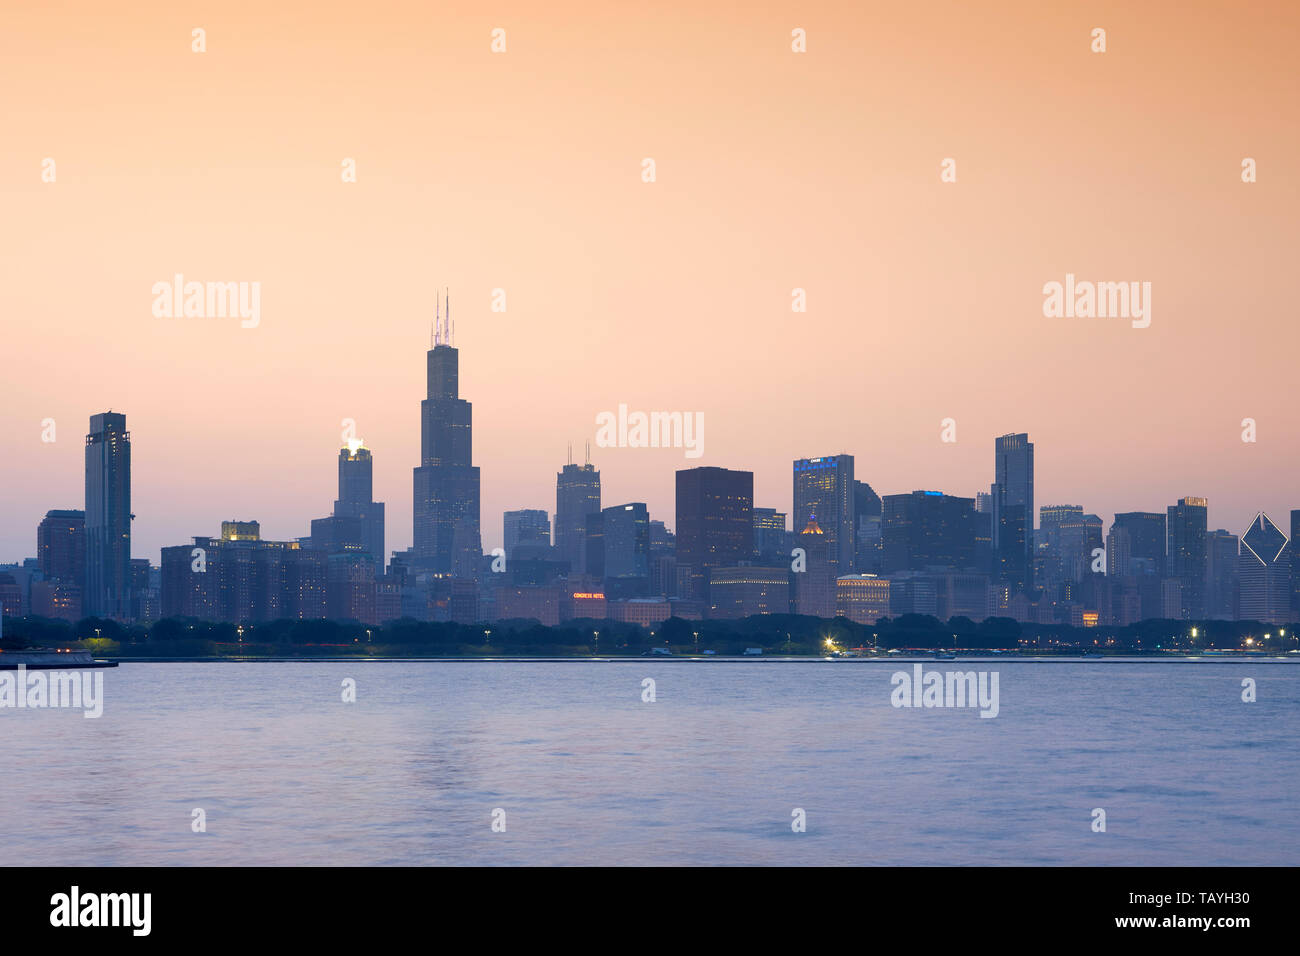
<point>577,495</point>
<point>447,531</point>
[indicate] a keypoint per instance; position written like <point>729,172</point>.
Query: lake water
<point>709,773</point>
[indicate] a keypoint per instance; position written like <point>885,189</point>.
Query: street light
<point>596,635</point>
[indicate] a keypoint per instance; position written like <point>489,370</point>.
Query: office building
<point>742,592</point>
<point>928,529</point>
<point>526,533</point>
<point>1186,558</point>
<point>862,598</point>
<point>446,512</point>
<point>1264,573</point>
<point>824,487</point>
<point>1013,511</point>
<point>715,523</point>
<point>107,589</point>
<point>577,495</point>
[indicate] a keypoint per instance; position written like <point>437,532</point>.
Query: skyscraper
<point>107,591</point>
<point>928,530</point>
<point>715,523</point>
<point>577,494</point>
<point>61,547</point>
<point>824,487</point>
<point>814,577</point>
<point>771,539</point>
<point>866,519</point>
<point>1264,573</point>
<point>1294,551</point>
<point>1013,511</point>
<point>1186,558</point>
<point>446,513</point>
<point>1136,545</point>
<point>626,532</point>
<point>528,529</point>
<point>357,524</point>
<point>1222,564</point>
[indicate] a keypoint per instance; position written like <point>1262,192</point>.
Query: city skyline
<point>935,549</point>
<point>491,536</point>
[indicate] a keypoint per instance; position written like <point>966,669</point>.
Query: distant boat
<point>942,655</point>
<point>1092,655</point>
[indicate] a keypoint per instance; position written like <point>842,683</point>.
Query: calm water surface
<point>708,774</point>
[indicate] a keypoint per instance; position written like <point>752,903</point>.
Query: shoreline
<point>720,659</point>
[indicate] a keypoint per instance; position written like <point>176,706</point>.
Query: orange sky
<point>522,171</point>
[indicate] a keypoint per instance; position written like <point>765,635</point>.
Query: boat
<point>942,655</point>
<point>1092,655</point>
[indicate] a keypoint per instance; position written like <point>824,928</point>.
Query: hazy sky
<point>523,171</point>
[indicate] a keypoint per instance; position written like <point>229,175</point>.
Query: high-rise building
<point>357,524</point>
<point>446,515</point>
<point>1067,539</point>
<point>1293,549</point>
<point>61,547</point>
<point>107,591</point>
<point>1222,564</point>
<point>824,487</point>
<point>814,575</point>
<point>1013,511</point>
<point>240,577</point>
<point>715,523</point>
<point>1136,545</point>
<point>927,530</point>
<point>771,539</point>
<point>526,532</point>
<point>1186,557</point>
<point>626,532</point>
<point>1264,573</point>
<point>867,509</point>
<point>577,494</point>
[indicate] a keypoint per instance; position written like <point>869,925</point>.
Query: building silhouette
<point>1187,557</point>
<point>526,532</point>
<point>715,523</point>
<point>813,573</point>
<point>357,522</point>
<point>61,547</point>
<point>929,530</point>
<point>825,487</point>
<point>447,535</point>
<point>1222,553</point>
<point>107,590</point>
<point>1013,512</point>
<point>577,495</point>
<point>1264,573</point>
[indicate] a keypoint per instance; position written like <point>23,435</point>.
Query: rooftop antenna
<point>570,453</point>
<point>589,453</point>
<point>451,325</point>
